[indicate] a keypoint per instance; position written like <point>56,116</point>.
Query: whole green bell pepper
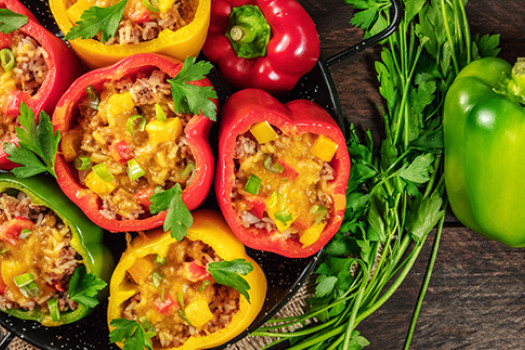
<point>484,132</point>
<point>86,239</point>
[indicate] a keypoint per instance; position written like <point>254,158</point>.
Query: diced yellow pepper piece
<point>98,185</point>
<point>140,270</point>
<point>7,82</point>
<point>164,131</point>
<point>198,312</point>
<point>312,234</point>
<point>324,148</point>
<point>165,5</point>
<point>69,144</point>
<point>77,9</point>
<point>263,132</point>
<point>118,107</point>
<point>11,269</point>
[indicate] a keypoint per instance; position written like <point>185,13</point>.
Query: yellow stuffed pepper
<point>196,293</point>
<point>104,31</point>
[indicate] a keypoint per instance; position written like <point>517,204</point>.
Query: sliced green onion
<point>82,163</point>
<point>157,259</point>
<point>188,172</point>
<point>25,233</point>
<point>23,279</point>
<point>160,113</point>
<point>148,327</point>
<point>3,251</point>
<point>103,172</point>
<point>158,189</point>
<point>283,216</point>
<point>156,278</point>
<point>204,284</point>
<point>7,58</point>
<point>180,299</point>
<point>184,317</point>
<point>141,125</point>
<point>275,168</point>
<point>52,304</point>
<point>253,185</point>
<point>151,6</point>
<point>320,213</point>
<point>134,170</point>
<point>93,99</point>
<point>31,290</point>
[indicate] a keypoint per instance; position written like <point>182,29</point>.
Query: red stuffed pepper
<point>282,173</point>
<point>37,67</point>
<point>123,141</point>
<point>261,43</point>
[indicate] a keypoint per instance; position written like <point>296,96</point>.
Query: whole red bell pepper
<point>304,122</point>
<point>63,68</point>
<point>196,134</point>
<point>265,44</point>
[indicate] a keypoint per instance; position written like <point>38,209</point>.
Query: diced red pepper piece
<point>195,272</point>
<point>121,151</point>
<point>258,206</point>
<point>58,286</point>
<point>143,196</point>
<point>5,40</point>
<point>164,306</point>
<point>288,173</point>
<point>2,286</point>
<point>11,229</point>
<point>14,99</point>
<point>140,15</point>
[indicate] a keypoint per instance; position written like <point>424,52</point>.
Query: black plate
<point>284,275</point>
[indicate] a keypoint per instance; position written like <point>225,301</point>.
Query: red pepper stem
<point>248,31</point>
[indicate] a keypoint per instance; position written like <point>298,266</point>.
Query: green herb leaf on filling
<point>37,145</point>
<point>98,19</point>
<point>228,274</point>
<point>193,99</point>
<point>178,217</point>
<point>11,21</point>
<point>131,333</point>
<point>84,287</point>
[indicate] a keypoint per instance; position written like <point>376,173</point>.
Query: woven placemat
<point>296,306</point>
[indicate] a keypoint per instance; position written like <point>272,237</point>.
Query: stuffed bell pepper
<point>126,137</point>
<point>262,44</point>
<point>36,68</point>
<point>103,32</point>
<point>53,264</point>
<point>196,293</point>
<point>281,174</point>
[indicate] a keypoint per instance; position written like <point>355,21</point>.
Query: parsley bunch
<point>395,194</point>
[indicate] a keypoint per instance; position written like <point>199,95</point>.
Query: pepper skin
<point>86,239</point>
<point>196,133</point>
<point>211,229</point>
<point>63,68</point>
<point>247,107</point>
<point>187,41</point>
<point>484,127</point>
<point>292,49</point>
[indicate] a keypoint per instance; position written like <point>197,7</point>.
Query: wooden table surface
<point>476,298</point>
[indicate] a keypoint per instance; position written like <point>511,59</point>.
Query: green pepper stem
<point>516,85</point>
<point>248,31</point>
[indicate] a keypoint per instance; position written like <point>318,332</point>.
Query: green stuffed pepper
<point>484,131</point>
<point>53,264</point>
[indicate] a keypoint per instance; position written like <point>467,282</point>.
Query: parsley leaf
<point>193,99</point>
<point>228,274</point>
<point>132,333</point>
<point>10,21</point>
<point>98,19</point>
<point>84,287</point>
<point>178,217</point>
<point>37,145</point>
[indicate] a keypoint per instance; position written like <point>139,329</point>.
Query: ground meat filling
<point>27,75</point>
<point>293,193</point>
<point>158,298</point>
<point>111,135</point>
<point>34,240</point>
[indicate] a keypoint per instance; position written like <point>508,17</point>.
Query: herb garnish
<point>37,145</point>
<point>98,19</point>
<point>11,21</point>
<point>84,287</point>
<point>228,274</point>
<point>178,217</point>
<point>193,99</point>
<point>132,333</point>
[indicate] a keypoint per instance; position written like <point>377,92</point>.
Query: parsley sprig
<point>229,273</point>
<point>11,21</point>
<point>98,19</point>
<point>84,287</point>
<point>37,145</point>
<point>190,98</point>
<point>133,334</point>
<point>178,217</point>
